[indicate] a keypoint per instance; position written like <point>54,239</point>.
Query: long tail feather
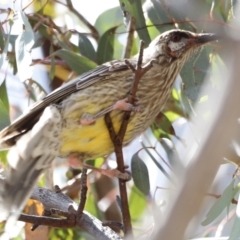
<point>33,152</point>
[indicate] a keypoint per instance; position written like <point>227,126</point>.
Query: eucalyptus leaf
<point>52,69</point>
<point>134,9</point>
<point>86,48</point>
<point>158,15</point>
<point>164,124</point>
<point>140,174</point>
<point>105,49</point>
<point>5,48</point>
<point>193,74</point>
<point>3,95</point>
<point>137,203</point>
<point>221,203</point>
<point>103,24</point>
<point>76,62</point>
<point>23,46</point>
<point>235,231</point>
<point>4,116</point>
<point>3,156</point>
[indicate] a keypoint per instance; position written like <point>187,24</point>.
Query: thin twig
<point>93,30</point>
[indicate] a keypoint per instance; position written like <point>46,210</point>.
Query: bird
<point>69,122</point>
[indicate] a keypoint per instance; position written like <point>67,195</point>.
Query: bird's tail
<point>33,152</point>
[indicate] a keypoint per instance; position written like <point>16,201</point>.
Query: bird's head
<point>176,45</point>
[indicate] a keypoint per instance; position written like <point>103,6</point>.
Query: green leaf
<point>3,95</point>
<point>4,106</point>
<point>23,46</point>
<point>91,204</point>
<point>4,116</point>
<point>137,203</point>
<point>223,202</point>
<point>98,162</point>
<point>140,174</point>
<point>158,15</point>
<point>103,24</point>
<point>164,124</point>
<point>52,69</point>
<point>235,231</point>
<point>76,62</point>
<point>134,8</point>
<point>3,156</point>
<point>86,48</point>
<point>105,49</point>
<point>5,49</point>
<point>159,166</point>
<point>2,38</point>
<point>193,74</point>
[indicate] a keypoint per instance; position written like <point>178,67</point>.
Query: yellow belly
<point>91,141</point>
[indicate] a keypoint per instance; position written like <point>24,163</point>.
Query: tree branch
<point>117,139</point>
<point>59,204</point>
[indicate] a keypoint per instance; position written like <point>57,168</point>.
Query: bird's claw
<point>126,106</point>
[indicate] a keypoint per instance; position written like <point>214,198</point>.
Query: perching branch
<point>117,139</point>
<point>60,204</point>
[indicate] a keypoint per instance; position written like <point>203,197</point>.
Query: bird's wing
<point>27,120</point>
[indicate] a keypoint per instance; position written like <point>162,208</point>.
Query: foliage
<point>65,57</point>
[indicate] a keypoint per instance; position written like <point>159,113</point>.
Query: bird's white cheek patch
<point>175,46</point>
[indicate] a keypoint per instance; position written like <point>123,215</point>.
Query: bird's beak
<point>206,37</point>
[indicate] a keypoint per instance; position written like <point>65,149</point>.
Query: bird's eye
<point>176,38</point>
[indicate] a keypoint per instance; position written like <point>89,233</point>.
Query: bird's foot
<point>126,106</point>
<point>87,119</point>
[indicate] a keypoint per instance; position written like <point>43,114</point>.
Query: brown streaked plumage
<point>91,93</point>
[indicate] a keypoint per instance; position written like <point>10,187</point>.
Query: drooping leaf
<point>105,48</point>
<point>4,116</point>
<point>3,156</point>
<point>137,203</point>
<point>158,15</point>
<point>134,8</point>
<point>159,166</point>
<point>98,162</point>
<point>235,231</point>
<point>140,174</point>
<point>193,74</point>
<point>221,203</point>
<point>2,38</point>
<point>75,61</point>
<point>3,95</point>
<point>91,204</point>
<point>52,69</point>
<point>162,126</point>
<point>152,29</point>
<point>103,24</point>
<point>86,48</point>
<point>23,46</point>
<point>5,48</point>
<point>4,106</point>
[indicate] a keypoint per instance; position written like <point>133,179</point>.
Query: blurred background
<point>67,38</point>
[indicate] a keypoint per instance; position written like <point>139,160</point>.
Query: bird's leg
<point>76,163</point>
<point>88,119</point>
